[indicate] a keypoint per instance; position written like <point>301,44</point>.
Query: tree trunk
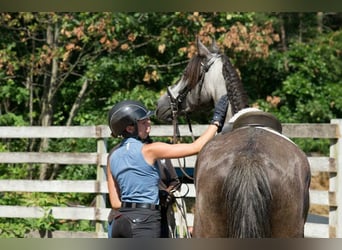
<point>319,22</point>
<point>50,88</point>
<point>77,102</point>
<point>282,33</point>
<point>283,38</point>
<point>300,28</point>
<point>72,114</point>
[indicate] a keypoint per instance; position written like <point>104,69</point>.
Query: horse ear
<point>214,48</point>
<point>202,50</point>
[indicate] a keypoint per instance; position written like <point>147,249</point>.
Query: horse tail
<point>248,197</point>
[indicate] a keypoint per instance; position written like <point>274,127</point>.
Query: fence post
<point>100,177</point>
<point>335,183</point>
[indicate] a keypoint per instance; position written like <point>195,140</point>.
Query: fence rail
<point>330,164</point>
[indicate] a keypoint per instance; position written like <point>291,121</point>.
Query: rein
<point>176,102</point>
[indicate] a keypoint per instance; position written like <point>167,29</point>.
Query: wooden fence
<point>330,164</point>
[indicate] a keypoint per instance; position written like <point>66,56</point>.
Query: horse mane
<point>237,95</point>
<point>192,71</point>
<point>248,196</point>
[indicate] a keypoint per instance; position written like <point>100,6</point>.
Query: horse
<point>251,181</point>
<point>208,76</point>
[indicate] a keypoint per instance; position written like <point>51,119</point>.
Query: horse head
<point>208,76</point>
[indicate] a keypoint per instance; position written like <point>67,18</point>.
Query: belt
<point>139,205</point>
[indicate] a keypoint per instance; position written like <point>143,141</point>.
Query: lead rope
<point>181,230</point>
<point>174,101</point>
<point>177,220</point>
<point>176,136</point>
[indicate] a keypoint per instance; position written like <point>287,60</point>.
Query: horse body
<point>251,183</point>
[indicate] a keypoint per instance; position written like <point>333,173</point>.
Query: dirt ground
<point>319,182</point>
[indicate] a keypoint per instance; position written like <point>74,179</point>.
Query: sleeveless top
<point>138,181</point>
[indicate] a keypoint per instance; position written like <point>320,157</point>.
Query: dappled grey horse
<point>251,181</point>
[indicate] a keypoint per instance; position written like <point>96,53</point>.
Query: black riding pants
<point>137,223</point>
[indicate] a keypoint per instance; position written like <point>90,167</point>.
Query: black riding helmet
<point>126,113</point>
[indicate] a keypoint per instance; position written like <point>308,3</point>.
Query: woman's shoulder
<point>132,139</point>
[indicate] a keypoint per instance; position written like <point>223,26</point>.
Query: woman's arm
<point>113,189</point>
<point>159,150</point>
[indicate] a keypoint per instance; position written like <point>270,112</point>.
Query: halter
<point>176,101</point>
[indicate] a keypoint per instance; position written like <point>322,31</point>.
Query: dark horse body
<point>251,181</point>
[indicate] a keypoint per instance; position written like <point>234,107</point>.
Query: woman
<point>135,191</point>
<point>169,183</point>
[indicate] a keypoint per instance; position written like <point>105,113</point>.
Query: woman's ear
<point>130,129</point>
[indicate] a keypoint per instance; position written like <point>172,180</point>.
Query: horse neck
<point>213,88</point>
<point>217,84</point>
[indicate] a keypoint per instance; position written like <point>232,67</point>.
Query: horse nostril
<point>163,114</point>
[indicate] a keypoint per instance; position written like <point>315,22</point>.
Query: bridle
<point>177,101</point>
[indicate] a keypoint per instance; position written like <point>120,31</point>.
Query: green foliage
<point>78,172</point>
<point>11,119</point>
<point>20,228</point>
<point>13,228</point>
<point>140,93</point>
<point>44,223</point>
<point>313,71</point>
<point>76,226</point>
<point>313,146</point>
<point>310,91</point>
<point>15,171</point>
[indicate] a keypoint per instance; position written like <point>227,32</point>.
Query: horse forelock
<point>192,71</point>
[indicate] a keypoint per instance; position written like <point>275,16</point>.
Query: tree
<point>50,50</point>
<point>310,85</point>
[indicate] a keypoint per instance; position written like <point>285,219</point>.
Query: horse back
<point>251,183</point>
